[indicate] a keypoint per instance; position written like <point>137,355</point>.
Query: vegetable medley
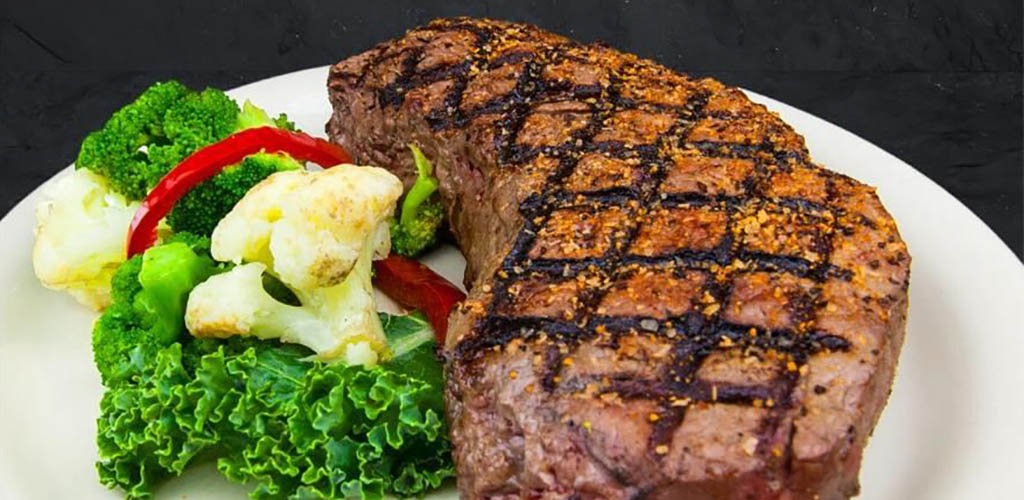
<point>238,316</point>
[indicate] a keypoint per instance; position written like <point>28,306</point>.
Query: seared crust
<point>669,299</point>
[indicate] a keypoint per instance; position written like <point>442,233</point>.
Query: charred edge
<point>786,459</point>
<point>690,259</point>
<point>449,111</point>
<point>460,24</point>
<point>729,150</point>
<point>564,268</point>
<point>497,331</point>
<point>612,149</point>
<point>802,306</point>
<point>809,207</point>
<point>394,94</point>
<point>453,116</point>
<point>744,395</point>
<point>797,266</point>
<point>618,196</point>
<point>516,263</point>
<point>552,367</point>
<point>669,418</point>
<point>699,199</point>
<point>674,328</point>
<point>517,109</point>
<point>803,208</point>
<point>799,345</point>
<point>770,423</point>
<point>546,92</point>
<point>687,356</point>
<point>628,386</point>
<point>358,77</point>
<point>578,143</point>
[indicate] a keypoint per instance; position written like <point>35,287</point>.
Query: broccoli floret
<point>147,138</point>
<point>198,243</point>
<point>205,205</point>
<point>149,293</point>
<point>420,233</point>
<point>201,118</point>
<point>416,227</point>
<point>124,286</point>
<point>114,150</point>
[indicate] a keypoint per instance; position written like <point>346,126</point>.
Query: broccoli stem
<point>425,185</point>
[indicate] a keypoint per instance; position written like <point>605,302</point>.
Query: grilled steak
<point>668,298</point>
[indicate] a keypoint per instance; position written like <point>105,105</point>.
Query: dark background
<point>938,84</point>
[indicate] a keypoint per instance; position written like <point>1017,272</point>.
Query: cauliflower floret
<point>318,232</point>
<point>80,237</point>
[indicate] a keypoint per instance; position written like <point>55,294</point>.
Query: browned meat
<point>669,299</point>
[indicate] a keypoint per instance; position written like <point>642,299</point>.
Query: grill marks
<point>658,184</point>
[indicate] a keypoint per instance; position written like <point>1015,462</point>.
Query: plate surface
<point>952,429</point>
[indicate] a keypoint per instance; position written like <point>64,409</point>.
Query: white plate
<point>953,429</point>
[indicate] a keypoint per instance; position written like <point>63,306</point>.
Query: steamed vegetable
<point>211,161</point>
<point>80,234</point>
<point>292,428</point>
<point>145,139</point>
<point>83,227</point>
<point>416,227</point>
<point>318,232</point>
<point>149,293</point>
<point>296,250</point>
<point>127,150</point>
<point>200,210</point>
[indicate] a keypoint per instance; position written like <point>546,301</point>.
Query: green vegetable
<point>253,116</point>
<point>199,119</point>
<point>412,341</point>
<point>148,301</point>
<point>206,204</point>
<point>145,139</point>
<point>416,227</point>
<point>294,428</point>
<point>114,150</point>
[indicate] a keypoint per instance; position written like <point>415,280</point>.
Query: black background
<point>938,84</point>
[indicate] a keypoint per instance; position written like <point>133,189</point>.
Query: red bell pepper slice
<point>414,286</point>
<point>408,282</point>
<point>210,160</point>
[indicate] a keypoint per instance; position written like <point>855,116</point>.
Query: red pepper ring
<point>208,161</point>
<point>414,286</point>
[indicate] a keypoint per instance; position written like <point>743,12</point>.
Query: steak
<point>668,298</point>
